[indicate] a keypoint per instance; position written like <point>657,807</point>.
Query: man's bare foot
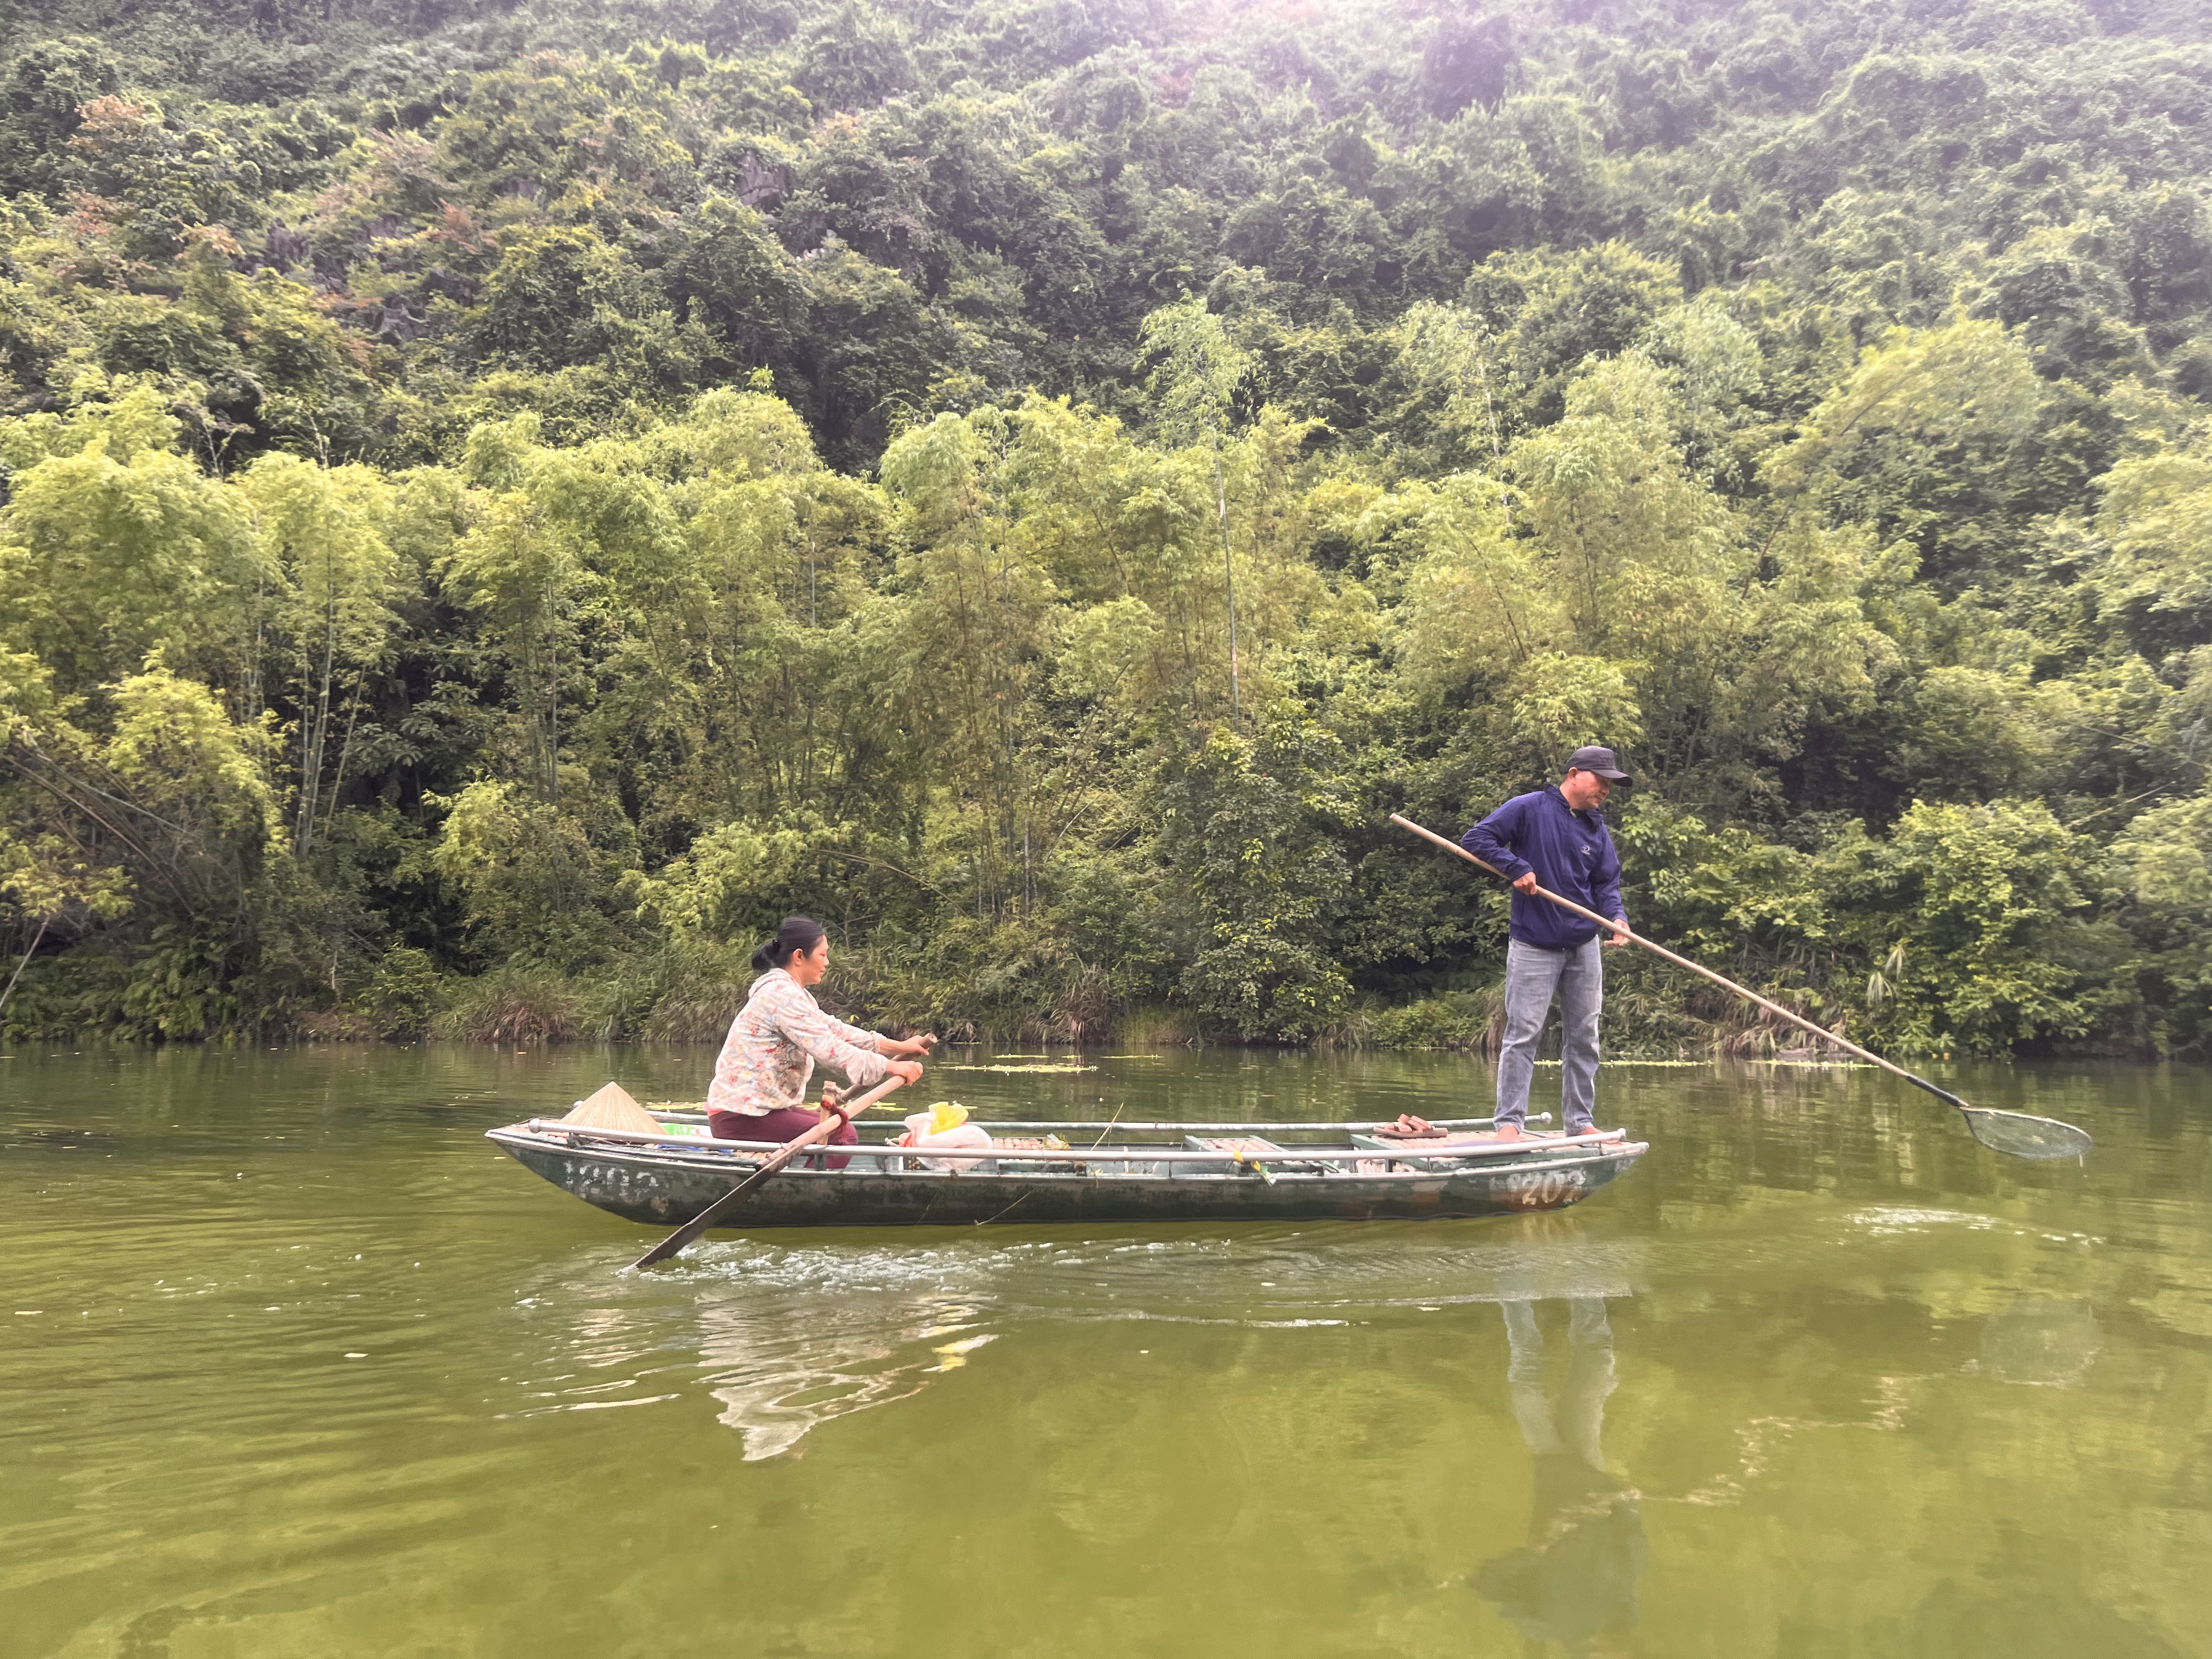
<point>1506,1132</point>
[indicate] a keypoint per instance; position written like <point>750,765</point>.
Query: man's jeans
<point>1531,976</point>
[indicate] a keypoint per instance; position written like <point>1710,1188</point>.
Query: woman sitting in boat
<point>759,1091</point>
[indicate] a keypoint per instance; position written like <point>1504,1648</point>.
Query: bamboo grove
<point>503,501</point>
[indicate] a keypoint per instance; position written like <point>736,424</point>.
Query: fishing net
<point>2023,1134</point>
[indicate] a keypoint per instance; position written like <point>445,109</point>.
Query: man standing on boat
<point>1554,838</point>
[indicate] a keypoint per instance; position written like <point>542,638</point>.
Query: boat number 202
<point>1541,1189</point>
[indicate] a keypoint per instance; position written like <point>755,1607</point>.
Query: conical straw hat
<point>612,1108</point>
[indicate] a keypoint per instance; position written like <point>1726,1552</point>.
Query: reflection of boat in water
<point>1574,1582</point>
<point>783,1369</point>
<point>1216,1172</point>
<point>792,1344</point>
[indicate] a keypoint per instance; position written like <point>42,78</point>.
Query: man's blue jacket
<point>1571,854</point>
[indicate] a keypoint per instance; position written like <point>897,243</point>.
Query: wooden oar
<point>2023,1134</point>
<point>840,1114</point>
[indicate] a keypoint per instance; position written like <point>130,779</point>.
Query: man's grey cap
<point>1597,760</point>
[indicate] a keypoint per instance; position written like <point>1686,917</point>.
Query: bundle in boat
<point>1244,1152</point>
<point>1248,1155</point>
<point>614,1108</point>
<point>1483,1141</point>
<point>1074,1166</point>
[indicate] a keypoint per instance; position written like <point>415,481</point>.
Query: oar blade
<point>662,1251</point>
<point>2023,1134</point>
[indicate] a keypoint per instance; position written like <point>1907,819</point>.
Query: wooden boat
<point>1209,1172</point>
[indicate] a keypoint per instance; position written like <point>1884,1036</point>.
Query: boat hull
<point>665,1189</point>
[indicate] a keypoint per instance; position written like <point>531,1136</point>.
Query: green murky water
<point>296,1364</point>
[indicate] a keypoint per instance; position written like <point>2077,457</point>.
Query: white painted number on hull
<point>1544,1189</point>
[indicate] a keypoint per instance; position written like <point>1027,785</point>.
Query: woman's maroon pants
<point>787,1125</point>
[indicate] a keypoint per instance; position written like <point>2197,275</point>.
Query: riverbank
<point>1651,1014</point>
<point>683,991</point>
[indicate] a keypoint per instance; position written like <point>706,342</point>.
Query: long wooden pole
<point>2019,1135</point>
<point>838,1116</point>
<point>1611,927</point>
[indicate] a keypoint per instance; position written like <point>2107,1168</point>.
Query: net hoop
<point>2023,1134</point>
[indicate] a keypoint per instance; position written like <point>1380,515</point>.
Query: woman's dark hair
<point>796,933</point>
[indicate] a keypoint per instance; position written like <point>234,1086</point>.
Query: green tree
<point>329,605</point>
<point>1247,822</point>
<point>114,549</point>
<point>1195,387</point>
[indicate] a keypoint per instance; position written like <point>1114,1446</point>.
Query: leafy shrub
<point>513,1007</point>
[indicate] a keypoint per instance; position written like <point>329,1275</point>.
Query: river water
<point>296,1364</point>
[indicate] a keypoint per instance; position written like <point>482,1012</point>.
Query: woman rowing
<point>759,1091</point>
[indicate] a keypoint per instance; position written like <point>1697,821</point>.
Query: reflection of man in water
<point>1575,1582</point>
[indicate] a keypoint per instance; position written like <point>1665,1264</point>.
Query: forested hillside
<point>503,501</point>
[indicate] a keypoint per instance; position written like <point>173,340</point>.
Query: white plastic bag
<point>967,1134</point>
